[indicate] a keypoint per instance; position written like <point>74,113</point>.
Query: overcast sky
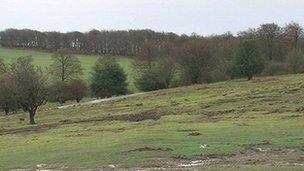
<point>204,17</point>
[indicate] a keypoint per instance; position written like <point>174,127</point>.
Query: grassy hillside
<point>255,125</point>
<point>43,59</point>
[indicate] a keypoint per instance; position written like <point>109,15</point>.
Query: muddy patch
<point>194,133</point>
<point>143,149</point>
<point>186,130</point>
<point>267,79</point>
<point>147,115</point>
<point>258,154</point>
<point>29,130</point>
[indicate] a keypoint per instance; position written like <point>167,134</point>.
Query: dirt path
<point>100,100</point>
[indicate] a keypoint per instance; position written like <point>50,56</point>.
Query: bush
<point>295,61</point>
<point>148,81</point>
<point>230,69</point>
<point>59,92</point>
<point>166,71</point>
<point>160,75</point>
<point>108,78</point>
<point>196,61</point>
<point>8,101</point>
<point>78,89</point>
<point>276,68</point>
<point>217,75</point>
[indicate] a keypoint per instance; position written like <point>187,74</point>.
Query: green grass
<point>231,116</point>
<point>43,59</point>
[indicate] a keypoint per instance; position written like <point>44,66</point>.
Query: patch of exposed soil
<point>151,114</point>
<point>202,87</point>
<point>258,154</point>
<point>150,149</point>
<point>195,133</point>
<point>29,130</point>
<point>186,130</point>
<point>266,79</point>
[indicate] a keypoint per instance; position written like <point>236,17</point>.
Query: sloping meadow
<point>235,123</point>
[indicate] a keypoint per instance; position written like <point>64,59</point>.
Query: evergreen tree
<point>248,61</point>
<point>108,78</point>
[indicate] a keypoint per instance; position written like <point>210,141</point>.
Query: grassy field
<point>43,59</point>
<point>255,125</point>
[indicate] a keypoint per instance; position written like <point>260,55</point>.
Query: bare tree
<point>65,66</point>
<point>295,60</point>
<point>268,35</point>
<point>196,61</point>
<point>29,85</point>
<point>293,33</point>
<point>148,53</point>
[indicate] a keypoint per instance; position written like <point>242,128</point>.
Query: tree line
<point>273,39</point>
<point>280,48</point>
<point>93,42</point>
<point>267,50</point>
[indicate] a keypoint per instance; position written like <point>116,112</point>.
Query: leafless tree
<point>196,61</point>
<point>294,33</point>
<point>29,83</point>
<point>148,53</point>
<point>65,66</point>
<point>268,35</point>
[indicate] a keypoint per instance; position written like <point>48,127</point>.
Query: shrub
<point>276,68</point>
<point>231,70</point>
<point>8,101</point>
<point>148,81</point>
<point>217,75</point>
<point>196,61</point>
<point>160,75</point>
<point>295,61</point>
<point>59,92</point>
<point>78,89</point>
